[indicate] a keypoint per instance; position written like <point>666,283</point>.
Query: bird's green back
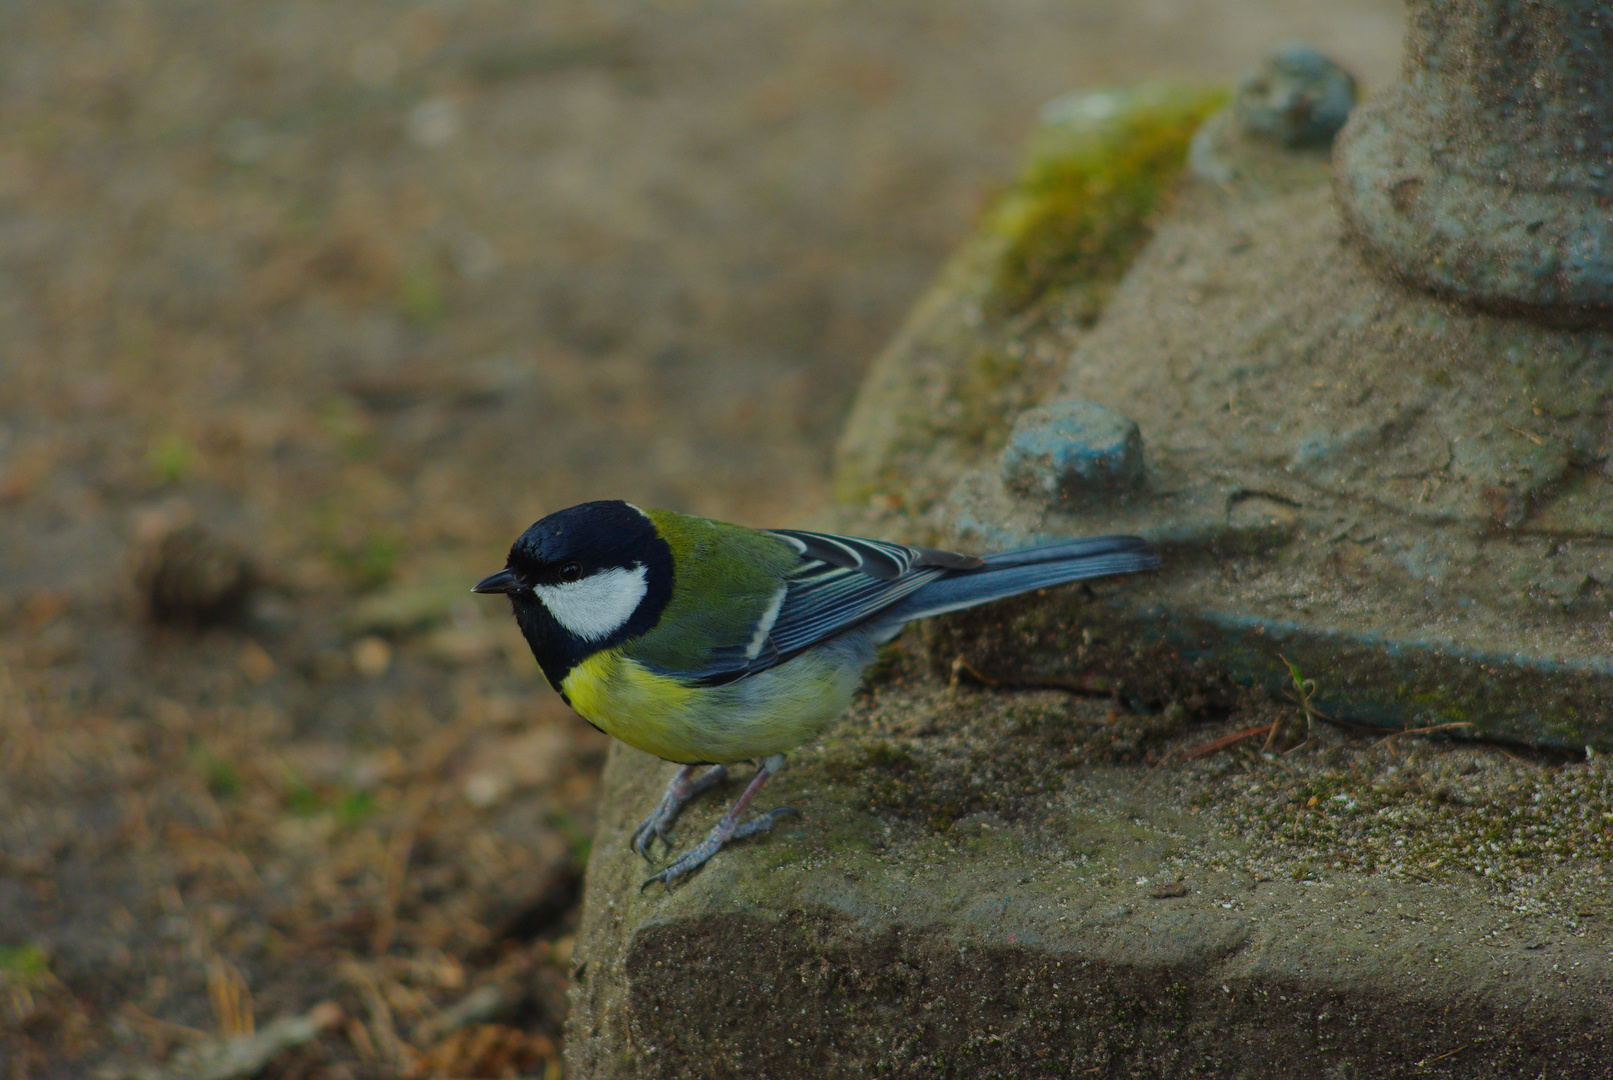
<point>725,578</point>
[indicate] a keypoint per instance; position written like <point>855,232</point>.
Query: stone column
<point>1487,174</point>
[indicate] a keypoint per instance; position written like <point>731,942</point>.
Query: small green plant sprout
<point>355,807</point>
<point>372,562</point>
<point>301,800</point>
<point>1304,690</point>
<point>25,976</point>
<point>22,964</point>
<point>222,778</point>
<point>170,459</point>
<point>349,427</point>
<point>421,297</point>
<point>579,840</point>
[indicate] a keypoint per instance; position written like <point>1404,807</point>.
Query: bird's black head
<point>584,579</point>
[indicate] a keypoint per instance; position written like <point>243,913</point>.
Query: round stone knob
<point>1068,451</point>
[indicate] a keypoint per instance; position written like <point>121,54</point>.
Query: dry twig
<point>231,998</point>
<point>1227,740</point>
<point>383,1031</point>
<point>1441,1057</point>
<point>476,1007</point>
<point>961,665</point>
<point>243,1055</point>
<point>1423,730</point>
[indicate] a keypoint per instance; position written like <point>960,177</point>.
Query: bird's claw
<point>721,833</point>
<point>645,835</point>
<point>764,822</point>
<point>683,787</point>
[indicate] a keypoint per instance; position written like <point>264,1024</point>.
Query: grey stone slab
<point>1121,934</point>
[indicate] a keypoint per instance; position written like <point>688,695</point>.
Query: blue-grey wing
<point>819,601</point>
<point>840,582</point>
<point>876,558</point>
<point>843,582</point>
<point>825,600</point>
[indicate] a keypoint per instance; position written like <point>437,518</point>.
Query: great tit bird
<point>708,644</point>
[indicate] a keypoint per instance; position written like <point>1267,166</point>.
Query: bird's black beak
<point>501,582</point>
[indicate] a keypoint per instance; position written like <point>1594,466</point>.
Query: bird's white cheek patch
<point>598,605</point>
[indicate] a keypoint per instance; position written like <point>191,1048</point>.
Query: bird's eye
<point>571,571</point>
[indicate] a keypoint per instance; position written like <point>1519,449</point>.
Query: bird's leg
<point>679,790</point>
<point>729,827</point>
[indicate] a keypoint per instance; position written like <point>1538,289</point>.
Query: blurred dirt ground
<point>309,308</point>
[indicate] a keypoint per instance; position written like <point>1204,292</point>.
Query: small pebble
<point>255,663</point>
<point>1296,96</point>
<point>191,577</point>
<point>433,123</point>
<point>372,656</point>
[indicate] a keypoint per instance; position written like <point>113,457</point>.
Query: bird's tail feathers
<point>1013,572</point>
<point>1066,551</point>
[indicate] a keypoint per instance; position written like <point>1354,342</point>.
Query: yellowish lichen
<point>1095,173</point>
<point>994,332</point>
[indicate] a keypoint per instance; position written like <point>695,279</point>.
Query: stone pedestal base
<point>1116,933</point>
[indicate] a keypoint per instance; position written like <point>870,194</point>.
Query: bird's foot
<point>725,830</point>
<point>683,787</point>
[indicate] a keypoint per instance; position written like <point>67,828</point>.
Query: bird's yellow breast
<point>627,700</point>
<point>771,712</point>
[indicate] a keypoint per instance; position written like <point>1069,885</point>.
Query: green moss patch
<point>1096,172</point>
